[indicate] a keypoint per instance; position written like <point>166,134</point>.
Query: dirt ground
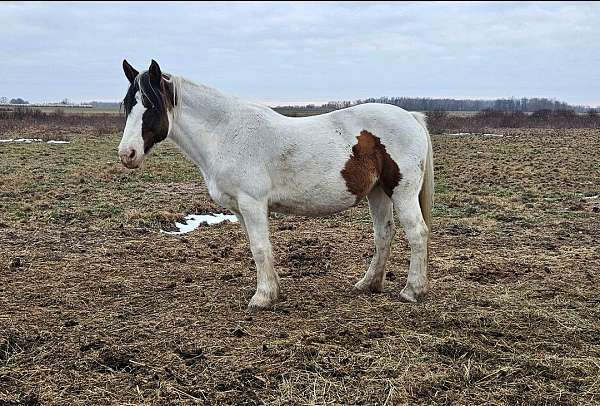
<point>98,307</point>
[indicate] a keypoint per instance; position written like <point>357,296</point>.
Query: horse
<point>255,161</point>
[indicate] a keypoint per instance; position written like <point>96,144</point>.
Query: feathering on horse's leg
<point>417,234</point>
<point>382,214</point>
<point>255,215</point>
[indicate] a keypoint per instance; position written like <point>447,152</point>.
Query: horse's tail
<point>426,193</point>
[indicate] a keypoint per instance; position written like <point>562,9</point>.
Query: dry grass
<point>58,124</point>
<point>98,307</point>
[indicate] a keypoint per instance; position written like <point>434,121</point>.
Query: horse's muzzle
<point>130,158</point>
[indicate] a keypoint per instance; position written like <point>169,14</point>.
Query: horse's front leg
<point>256,220</point>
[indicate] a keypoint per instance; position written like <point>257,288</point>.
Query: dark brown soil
<point>98,307</point>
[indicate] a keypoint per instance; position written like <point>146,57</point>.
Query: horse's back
<point>390,122</point>
<point>402,134</point>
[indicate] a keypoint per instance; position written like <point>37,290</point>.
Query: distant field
<point>281,110</point>
<point>98,307</point>
<point>65,110</point>
<point>94,110</point>
<point>49,122</point>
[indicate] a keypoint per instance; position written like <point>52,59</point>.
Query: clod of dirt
<point>112,361</point>
<point>94,345</point>
<point>15,264</point>
<point>375,334</point>
<point>576,207</point>
<point>229,276</point>
<point>282,334</point>
<point>506,218</point>
<point>71,323</point>
<point>248,379</point>
<point>191,356</point>
<point>596,209</point>
<point>239,332</point>
<point>457,229</point>
<point>390,276</point>
<point>170,286</point>
<point>456,349</point>
<point>346,337</point>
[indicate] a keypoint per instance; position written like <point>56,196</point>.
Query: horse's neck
<point>203,119</point>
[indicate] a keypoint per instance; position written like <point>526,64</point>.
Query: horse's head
<point>148,106</point>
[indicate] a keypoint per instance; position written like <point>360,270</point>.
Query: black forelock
<point>129,101</point>
<point>153,96</point>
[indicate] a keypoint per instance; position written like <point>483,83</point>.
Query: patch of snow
<point>193,221</point>
<point>591,197</point>
<point>30,140</point>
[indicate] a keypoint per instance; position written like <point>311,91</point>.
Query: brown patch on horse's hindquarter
<point>369,165</point>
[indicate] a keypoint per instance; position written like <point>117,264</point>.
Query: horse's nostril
<point>132,154</point>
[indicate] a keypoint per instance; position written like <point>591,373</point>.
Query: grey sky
<point>306,51</point>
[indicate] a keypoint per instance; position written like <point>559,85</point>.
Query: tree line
<point>447,104</point>
<point>18,100</point>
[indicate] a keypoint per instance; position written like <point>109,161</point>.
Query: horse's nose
<point>128,158</point>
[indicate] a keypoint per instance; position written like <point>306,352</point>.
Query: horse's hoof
<point>253,308</point>
<point>410,296</point>
<point>363,286</point>
<point>258,303</point>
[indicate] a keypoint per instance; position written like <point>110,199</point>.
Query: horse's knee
<point>261,253</point>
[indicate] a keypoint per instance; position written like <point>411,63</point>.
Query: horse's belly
<point>320,199</point>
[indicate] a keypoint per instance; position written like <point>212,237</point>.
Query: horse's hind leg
<point>409,212</point>
<point>382,213</point>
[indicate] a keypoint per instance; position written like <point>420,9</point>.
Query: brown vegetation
<point>23,120</point>
<point>441,121</point>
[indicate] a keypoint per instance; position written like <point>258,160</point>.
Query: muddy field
<point>98,307</point>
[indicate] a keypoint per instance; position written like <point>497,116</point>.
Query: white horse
<point>255,160</point>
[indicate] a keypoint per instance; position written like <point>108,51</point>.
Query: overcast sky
<point>279,53</point>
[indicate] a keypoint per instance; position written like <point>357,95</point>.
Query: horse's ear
<point>130,71</point>
<point>155,73</point>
